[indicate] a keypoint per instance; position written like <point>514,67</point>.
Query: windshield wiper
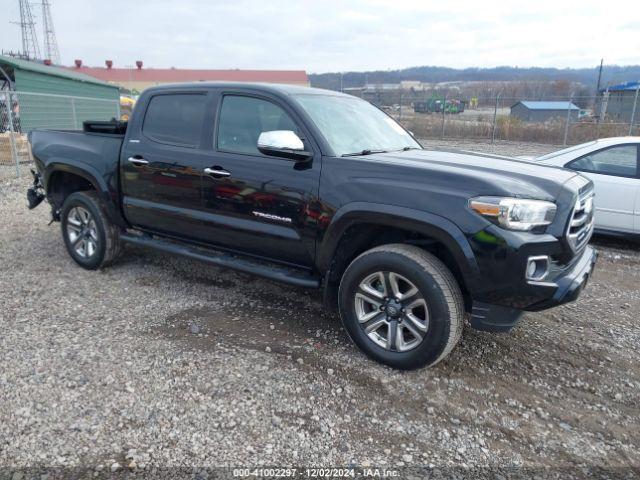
<point>406,149</point>
<point>363,152</point>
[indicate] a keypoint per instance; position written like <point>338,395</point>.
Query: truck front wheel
<point>91,239</point>
<point>402,306</point>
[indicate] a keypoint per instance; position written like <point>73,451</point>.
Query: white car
<point>614,166</point>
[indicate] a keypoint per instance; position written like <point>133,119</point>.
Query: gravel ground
<point>161,362</point>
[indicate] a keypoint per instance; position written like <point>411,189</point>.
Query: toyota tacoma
<point>323,190</point>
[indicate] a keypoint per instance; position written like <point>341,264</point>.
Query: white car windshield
<point>566,150</point>
<point>352,126</point>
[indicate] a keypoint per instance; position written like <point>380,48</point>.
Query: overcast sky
<point>321,36</point>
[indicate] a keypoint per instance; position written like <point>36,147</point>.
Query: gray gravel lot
<point>158,361</point>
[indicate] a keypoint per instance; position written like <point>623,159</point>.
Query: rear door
<point>263,205</point>
<point>614,171</point>
<point>161,168</point>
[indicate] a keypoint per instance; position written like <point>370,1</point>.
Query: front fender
<point>428,224</point>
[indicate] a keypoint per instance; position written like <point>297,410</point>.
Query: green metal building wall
<point>36,82</point>
<point>52,97</point>
<point>48,101</point>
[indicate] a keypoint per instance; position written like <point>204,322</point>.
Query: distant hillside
<point>586,76</point>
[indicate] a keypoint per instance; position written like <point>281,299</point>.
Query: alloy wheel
<point>82,232</point>
<point>391,311</point>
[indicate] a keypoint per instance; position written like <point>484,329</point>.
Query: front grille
<point>581,223</point>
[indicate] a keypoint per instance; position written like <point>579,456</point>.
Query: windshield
<point>566,150</point>
<point>353,126</point>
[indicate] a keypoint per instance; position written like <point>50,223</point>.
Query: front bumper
<point>564,288</point>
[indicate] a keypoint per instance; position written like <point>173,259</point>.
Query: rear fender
<point>107,195</point>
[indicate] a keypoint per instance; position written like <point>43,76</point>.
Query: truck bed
<point>95,153</point>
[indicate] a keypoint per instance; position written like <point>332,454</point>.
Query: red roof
<point>170,75</point>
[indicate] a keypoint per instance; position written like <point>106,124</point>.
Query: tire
<point>418,330</point>
<point>83,219</point>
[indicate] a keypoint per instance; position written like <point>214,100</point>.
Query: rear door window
<point>175,118</point>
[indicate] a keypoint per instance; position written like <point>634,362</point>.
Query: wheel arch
<point>62,178</point>
<point>359,226</point>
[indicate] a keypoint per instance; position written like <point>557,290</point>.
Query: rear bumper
<point>564,288</point>
<point>35,193</point>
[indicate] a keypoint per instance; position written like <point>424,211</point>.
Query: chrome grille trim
<point>581,224</point>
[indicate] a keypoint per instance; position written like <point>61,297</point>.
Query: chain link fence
<point>556,122</point>
<point>21,112</point>
<point>552,120</point>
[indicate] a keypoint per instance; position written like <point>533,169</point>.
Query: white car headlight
<point>515,213</point>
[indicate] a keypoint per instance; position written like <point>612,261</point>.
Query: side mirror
<point>283,143</point>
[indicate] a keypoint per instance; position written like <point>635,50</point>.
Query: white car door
<point>614,172</point>
<point>637,210</point>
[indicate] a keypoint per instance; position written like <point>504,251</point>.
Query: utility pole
<point>603,110</point>
<point>30,47</point>
<point>595,103</point>
<point>568,121</point>
<point>599,76</point>
<point>444,104</point>
<point>495,118</point>
<point>51,50</point>
<point>633,112</point>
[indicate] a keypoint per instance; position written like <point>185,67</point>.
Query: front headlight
<point>514,213</point>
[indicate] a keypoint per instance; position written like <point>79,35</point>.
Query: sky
<point>333,36</point>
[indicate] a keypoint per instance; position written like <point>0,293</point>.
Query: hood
<point>497,174</point>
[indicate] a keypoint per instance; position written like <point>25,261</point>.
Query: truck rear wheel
<point>402,306</point>
<point>91,239</point>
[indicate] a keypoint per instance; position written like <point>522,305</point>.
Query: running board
<point>271,271</point>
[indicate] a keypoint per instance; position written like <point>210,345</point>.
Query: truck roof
<point>266,87</point>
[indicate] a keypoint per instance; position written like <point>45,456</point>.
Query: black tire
<point>105,235</point>
<point>435,285</point>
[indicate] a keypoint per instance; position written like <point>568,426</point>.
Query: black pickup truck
<point>323,190</point>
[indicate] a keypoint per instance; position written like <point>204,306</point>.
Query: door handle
<point>138,161</point>
<point>217,172</point>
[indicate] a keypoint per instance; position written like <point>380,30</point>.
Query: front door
<point>636,218</point>
<point>161,170</point>
<point>614,172</point>
<point>258,204</point>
